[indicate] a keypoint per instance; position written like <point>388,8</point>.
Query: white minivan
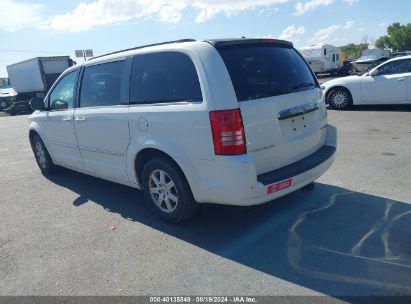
<point>234,121</point>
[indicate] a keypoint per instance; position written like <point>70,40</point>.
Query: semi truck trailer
<point>33,78</point>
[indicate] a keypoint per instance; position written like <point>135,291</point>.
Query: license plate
<point>279,186</point>
<point>297,126</point>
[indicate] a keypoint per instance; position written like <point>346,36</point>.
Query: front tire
<point>11,110</point>
<point>42,156</point>
<point>3,105</point>
<point>167,191</point>
<point>339,99</point>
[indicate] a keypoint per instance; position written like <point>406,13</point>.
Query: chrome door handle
<point>80,119</point>
<point>67,119</point>
<point>401,79</point>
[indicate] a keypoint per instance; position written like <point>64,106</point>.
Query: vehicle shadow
<point>377,108</point>
<point>332,240</point>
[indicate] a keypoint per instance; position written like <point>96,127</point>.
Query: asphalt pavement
<point>71,234</point>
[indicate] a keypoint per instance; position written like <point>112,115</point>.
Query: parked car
<point>400,54</point>
<point>388,83</point>
<point>7,96</point>
<point>237,122</point>
<point>361,67</point>
<point>369,59</point>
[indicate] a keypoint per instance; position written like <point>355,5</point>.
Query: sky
<point>50,28</point>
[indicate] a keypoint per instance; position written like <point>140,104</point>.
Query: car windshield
<point>265,71</point>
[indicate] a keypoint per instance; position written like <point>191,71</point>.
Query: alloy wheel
<point>163,191</point>
<point>40,154</point>
<point>339,99</point>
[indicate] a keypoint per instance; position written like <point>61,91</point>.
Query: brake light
<point>228,132</point>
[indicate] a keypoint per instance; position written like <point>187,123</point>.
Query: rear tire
<point>42,156</point>
<point>167,191</point>
<point>339,99</point>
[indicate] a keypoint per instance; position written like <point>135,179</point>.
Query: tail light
<point>228,132</point>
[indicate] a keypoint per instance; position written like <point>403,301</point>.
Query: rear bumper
<point>233,180</point>
<point>297,182</point>
<point>297,168</point>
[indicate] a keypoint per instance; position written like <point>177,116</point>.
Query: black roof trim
<point>221,43</point>
<point>144,46</point>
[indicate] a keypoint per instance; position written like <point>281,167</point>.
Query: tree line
<point>398,39</point>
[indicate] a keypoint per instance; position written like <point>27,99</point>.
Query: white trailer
<point>35,76</point>
<point>323,58</point>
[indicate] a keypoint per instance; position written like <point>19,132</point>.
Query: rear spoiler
<point>225,43</point>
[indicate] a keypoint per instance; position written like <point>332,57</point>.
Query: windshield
<point>265,71</point>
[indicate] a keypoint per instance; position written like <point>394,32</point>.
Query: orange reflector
<point>279,186</point>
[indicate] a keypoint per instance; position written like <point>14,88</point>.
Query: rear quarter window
<point>164,77</point>
<point>264,71</point>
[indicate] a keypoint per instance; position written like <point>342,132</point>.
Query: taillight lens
<point>228,132</point>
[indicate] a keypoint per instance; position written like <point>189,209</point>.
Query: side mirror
<point>37,103</point>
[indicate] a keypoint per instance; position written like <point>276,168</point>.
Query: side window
<point>395,67</point>
<point>325,52</point>
<point>333,57</point>
<point>101,85</point>
<point>164,77</point>
<point>337,57</point>
<point>62,96</point>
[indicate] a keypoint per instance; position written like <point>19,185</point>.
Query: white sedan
<point>388,83</point>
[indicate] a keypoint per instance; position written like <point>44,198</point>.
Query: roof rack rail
<point>144,46</point>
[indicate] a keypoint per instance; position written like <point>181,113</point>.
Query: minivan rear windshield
<point>265,71</point>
